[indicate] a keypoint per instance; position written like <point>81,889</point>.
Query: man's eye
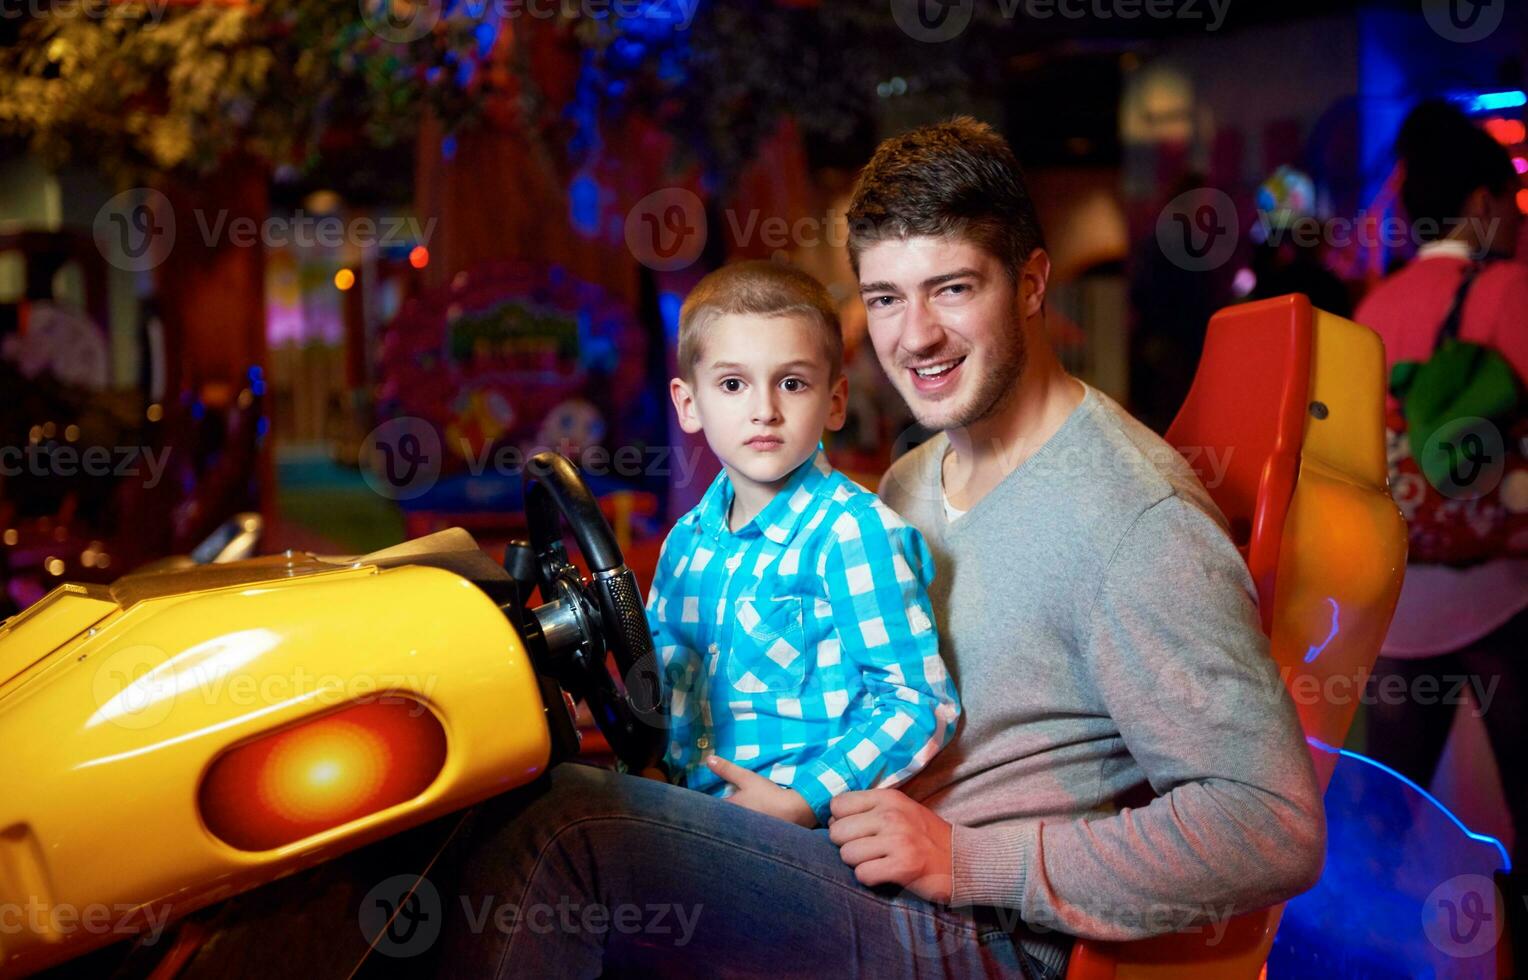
<point>732,384</point>
<point>879,302</point>
<point>957,288</point>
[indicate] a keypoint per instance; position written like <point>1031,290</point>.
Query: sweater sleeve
<point>1509,325</point>
<point>1172,641</point>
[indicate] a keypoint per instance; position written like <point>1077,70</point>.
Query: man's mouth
<point>936,375</point>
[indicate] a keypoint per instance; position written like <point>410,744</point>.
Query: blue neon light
<point>669,305</point>
<point>1316,651</point>
<point>584,205</point>
<point>1483,838</point>
<point>1493,101</point>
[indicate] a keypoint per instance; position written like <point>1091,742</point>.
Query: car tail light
<point>322,773</point>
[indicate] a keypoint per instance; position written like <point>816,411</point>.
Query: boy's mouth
<point>765,443</point>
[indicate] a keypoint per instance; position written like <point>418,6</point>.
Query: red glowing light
<point>419,257</point>
<point>322,773</point>
<point>1507,132</point>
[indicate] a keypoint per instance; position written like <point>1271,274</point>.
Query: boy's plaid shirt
<point>803,646</point>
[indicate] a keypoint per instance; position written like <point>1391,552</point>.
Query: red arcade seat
<point>1289,400</point>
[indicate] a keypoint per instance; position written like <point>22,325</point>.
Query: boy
<point>790,609</point>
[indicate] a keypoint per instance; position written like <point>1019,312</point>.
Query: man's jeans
<point>589,873</point>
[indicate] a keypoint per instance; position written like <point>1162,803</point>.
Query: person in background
<point>1459,192</point>
<point>1285,257</point>
<point>1172,307</point>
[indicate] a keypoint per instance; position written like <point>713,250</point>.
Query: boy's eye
<point>732,384</point>
<point>793,384</point>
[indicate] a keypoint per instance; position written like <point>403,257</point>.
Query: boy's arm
<point>679,665</point>
<point>876,572</point>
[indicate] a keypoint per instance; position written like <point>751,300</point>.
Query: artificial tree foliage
<point>140,88</point>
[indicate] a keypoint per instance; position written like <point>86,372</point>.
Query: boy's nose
<point>766,407</point>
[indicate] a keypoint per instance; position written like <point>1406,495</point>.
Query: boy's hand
<point>887,837</point>
<point>761,795</point>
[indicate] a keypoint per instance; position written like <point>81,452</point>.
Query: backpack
<point>1457,441</point>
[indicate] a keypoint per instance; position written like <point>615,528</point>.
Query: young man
<point>1083,575</point>
<point>790,607</point>
<point>1112,593</point>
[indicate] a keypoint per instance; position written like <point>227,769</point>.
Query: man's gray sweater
<point>1128,759</point>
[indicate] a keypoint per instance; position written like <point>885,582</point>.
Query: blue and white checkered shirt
<point>802,646</point>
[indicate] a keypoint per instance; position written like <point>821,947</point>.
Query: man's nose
<point>921,330</point>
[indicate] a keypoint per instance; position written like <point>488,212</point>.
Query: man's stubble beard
<point>999,384</point>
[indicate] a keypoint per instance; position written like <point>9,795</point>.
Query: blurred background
<point>345,264</point>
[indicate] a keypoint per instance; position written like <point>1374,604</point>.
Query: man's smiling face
<point>945,321</point>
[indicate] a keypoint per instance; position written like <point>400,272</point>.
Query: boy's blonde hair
<point>759,288</point>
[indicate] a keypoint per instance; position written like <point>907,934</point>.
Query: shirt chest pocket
<point>766,652</point>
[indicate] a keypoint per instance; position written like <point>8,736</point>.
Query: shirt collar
<point>1445,248</point>
<point>781,516</point>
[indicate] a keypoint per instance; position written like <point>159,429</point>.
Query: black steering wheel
<point>581,618</point>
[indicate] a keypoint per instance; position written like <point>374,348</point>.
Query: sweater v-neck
<point>1017,476</point>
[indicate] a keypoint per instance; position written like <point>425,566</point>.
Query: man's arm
<point>876,573</point>
<point>1173,643</point>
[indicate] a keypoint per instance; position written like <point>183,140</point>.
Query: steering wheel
<point>580,619</point>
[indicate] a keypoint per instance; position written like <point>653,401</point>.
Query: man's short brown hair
<point>957,178</point>
<point>758,288</point>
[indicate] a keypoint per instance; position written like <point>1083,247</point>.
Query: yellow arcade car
<point>190,733</point>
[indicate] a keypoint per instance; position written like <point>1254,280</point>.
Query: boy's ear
<point>838,409</point>
<point>684,405</point>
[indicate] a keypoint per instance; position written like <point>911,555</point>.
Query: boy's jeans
<point>589,873</point>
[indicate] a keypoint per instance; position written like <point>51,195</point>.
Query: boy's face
<point>762,394</point>
<point>947,324</point>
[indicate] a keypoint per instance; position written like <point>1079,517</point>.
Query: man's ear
<point>684,405</point>
<point>838,411</point>
<point>1033,276</point>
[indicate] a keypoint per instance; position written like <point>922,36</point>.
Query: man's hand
<point>761,795</point>
<point>890,839</point>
